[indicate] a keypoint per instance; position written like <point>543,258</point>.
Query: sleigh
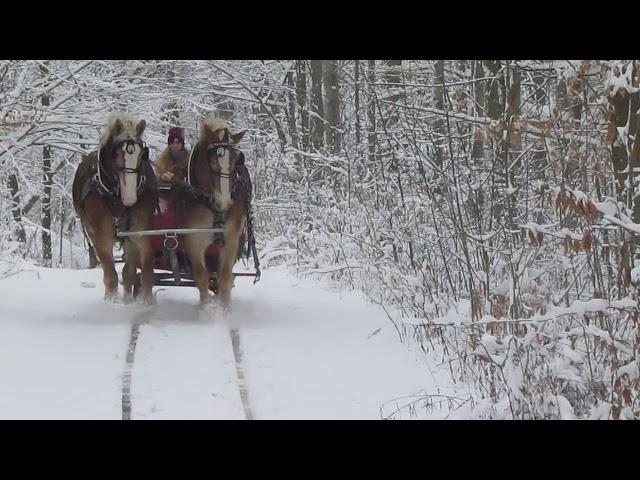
<point>171,263</point>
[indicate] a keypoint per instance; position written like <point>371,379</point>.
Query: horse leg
<point>195,246</point>
<point>146,265</point>
<point>228,257</point>
<point>104,251</point>
<point>129,272</point>
<point>141,219</point>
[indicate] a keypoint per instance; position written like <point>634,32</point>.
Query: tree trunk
<point>317,107</point>
<point>47,179</point>
<point>393,77</point>
<point>171,115</point>
<point>372,137</point>
<point>479,97</point>
<point>356,101</point>
<point>495,99</point>
<point>62,219</point>
<point>16,208</point>
<point>332,104</point>
<point>291,110</point>
<point>438,94</point>
<point>495,110</point>
<point>301,96</point>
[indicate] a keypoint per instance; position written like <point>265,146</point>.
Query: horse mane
<point>209,126</point>
<point>129,128</point>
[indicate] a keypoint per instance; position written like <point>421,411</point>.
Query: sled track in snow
<point>131,352</point>
<point>242,385</point>
<point>126,377</point>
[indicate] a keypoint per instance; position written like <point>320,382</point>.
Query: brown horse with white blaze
<point>217,197</point>
<point>112,186</point>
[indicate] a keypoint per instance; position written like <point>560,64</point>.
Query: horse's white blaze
<point>225,193</point>
<point>129,180</point>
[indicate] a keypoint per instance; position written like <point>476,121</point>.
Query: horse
<point>217,195</point>
<point>114,187</point>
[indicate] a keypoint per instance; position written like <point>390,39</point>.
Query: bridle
<point>113,188</point>
<point>129,146</point>
<point>217,150</point>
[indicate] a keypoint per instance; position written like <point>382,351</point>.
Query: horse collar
<point>110,190</point>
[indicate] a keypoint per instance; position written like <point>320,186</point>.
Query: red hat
<point>176,133</point>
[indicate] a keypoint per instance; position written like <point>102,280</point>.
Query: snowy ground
<point>307,352</point>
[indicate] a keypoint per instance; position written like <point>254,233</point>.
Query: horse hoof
<point>206,307</point>
<point>150,302</point>
<point>212,309</point>
<point>207,300</point>
<point>111,298</point>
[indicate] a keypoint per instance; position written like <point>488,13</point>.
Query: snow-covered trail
<point>62,351</point>
<point>307,352</point>
<point>184,367</point>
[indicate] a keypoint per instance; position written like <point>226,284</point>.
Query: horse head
<point>216,160</point>
<point>122,154</point>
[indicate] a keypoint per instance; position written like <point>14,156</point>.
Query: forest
<point>487,206</point>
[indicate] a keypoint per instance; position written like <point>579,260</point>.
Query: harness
<point>107,188</point>
<point>239,181</point>
<point>100,182</point>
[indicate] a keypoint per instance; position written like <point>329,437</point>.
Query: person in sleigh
<point>172,162</point>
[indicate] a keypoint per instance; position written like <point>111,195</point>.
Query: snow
<point>308,352</point>
<point>608,207</point>
<point>565,409</point>
<point>184,371</point>
<point>632,369</point>
<point>484,237</point>
<point>61,351</point>
<point>601,412</point>
<point>620,81</point>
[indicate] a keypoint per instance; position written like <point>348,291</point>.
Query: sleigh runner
<point>171,263</point>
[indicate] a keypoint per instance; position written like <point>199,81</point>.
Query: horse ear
<point>236,137</point>
<point>142,124</point>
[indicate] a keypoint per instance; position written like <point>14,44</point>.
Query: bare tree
<point>317,104</point>
<point>332,104</point>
